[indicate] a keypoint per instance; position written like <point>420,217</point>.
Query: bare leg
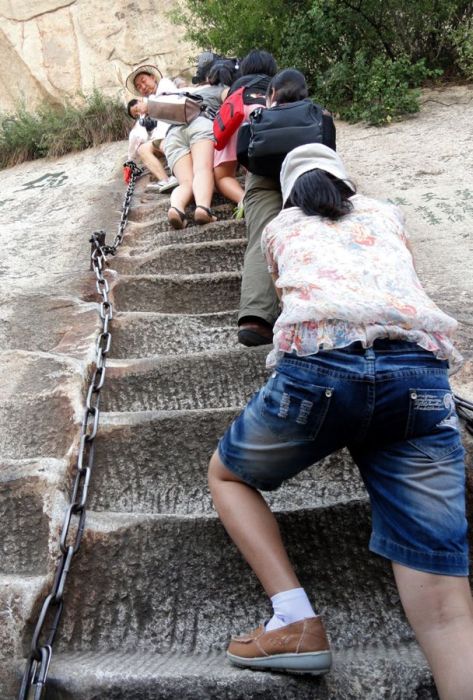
<point>203,180</point>
<point>253,527</point>
<point>150,159</point>
<point>227,183</point>
<point>182,195</point>
<point>440,610</point>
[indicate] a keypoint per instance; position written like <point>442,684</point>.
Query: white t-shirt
<point>139,135</point>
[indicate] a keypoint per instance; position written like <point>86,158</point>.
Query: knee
<point>218,473</point>
<point>146,149</point>
<point>213,472</point>
<point>203,170</point>
<point>432,600</point>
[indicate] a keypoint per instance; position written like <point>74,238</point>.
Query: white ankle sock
<point>289,606</point>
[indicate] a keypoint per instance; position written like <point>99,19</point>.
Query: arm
<point>275,277</point>
<point>409,248</point>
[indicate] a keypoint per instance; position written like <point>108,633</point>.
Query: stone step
<point>188,259</point>
<point>175,583</point>
<point>170,451</point>
<point>205,380</point>
<point>182,294</point>
<point>142,334</point>
<point>28,493</point>
<point>371,672</point>
<point>40,404</point>
<point>139,235</point>
<point>156,208</point>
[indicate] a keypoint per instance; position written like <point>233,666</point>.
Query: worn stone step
<point>156,209</point>
<point>205,380</point>
<point>188,259</point>
<point>40,404</point>
<point>142,334</point>
<point>371,672</point>
<point>18,595</point>
<point>170,451</point>
<point>176,583</point>
<point>181,294</point>
<point>28,497</point>
<point>141,238</point>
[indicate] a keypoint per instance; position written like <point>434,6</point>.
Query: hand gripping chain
<point>33,685</point>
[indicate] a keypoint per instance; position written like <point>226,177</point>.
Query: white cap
<point>311,156</point>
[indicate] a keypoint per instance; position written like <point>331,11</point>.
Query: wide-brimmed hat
<point>310,157</point>
<point>148,69</point>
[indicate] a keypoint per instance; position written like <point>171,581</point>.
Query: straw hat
<point>149,70</point>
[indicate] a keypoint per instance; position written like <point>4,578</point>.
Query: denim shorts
<point>393,408</point>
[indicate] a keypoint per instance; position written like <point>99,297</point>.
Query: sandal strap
<point>182,215</point>
<point>206,209</point>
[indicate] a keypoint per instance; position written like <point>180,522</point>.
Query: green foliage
<point>53,130</point>
<point>235,27</point>
<point>463,42</point>
<point>376,91</point>
<point>363,58</point>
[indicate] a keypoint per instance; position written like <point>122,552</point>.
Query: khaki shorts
<point>179,139</point>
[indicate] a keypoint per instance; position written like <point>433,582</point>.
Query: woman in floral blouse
<point>361,356</point>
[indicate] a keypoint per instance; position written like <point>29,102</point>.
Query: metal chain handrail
<point>37,664</point>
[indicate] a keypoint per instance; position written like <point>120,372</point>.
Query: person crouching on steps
<point>255,64</point>
<point>259,304</point>
<point>189,151</point>
<point>146,143</point>
<point>360,358</point>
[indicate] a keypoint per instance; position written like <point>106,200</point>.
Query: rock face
<point>51,49</point>
<point>156,586</point>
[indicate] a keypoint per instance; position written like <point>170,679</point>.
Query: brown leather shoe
<point>252,334</point>
<point>301,647</point>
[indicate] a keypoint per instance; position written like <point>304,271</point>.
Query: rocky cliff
<point>51,49</point>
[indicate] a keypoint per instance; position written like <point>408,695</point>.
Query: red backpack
<point>231,113</point>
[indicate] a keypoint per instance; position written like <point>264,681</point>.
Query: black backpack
<point>267,138</point>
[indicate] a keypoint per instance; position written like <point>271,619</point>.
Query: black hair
<point>317,192</point>
<point>204,62</point>
<point>289,86</point>
<point>257,62</point>
<point>131,104</point>
<point>222,72</point>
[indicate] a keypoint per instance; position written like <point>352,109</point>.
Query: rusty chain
<point>34,679</point>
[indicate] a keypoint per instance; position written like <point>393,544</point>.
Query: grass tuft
<point>55,130</point>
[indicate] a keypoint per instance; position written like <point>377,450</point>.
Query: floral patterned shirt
<point>350,280</point>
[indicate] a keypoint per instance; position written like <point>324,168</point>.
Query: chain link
<point>33,684</point>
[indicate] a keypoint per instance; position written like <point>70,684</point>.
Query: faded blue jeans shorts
<point>393,408</point>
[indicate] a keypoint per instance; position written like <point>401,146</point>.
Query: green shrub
<point>53,130</point>
<point>362,58</point>
<point>462,39</point>
<point>233,27</point>
<point>376,91</point>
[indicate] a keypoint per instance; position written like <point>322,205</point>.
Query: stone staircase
<point>157,587</point>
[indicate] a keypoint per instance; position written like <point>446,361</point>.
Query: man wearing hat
<point>144,81</point>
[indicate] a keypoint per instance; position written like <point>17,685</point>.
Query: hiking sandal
<point>210,218</point>
<point>177,218</point>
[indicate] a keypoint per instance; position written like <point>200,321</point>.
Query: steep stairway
<point>157,587</point>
